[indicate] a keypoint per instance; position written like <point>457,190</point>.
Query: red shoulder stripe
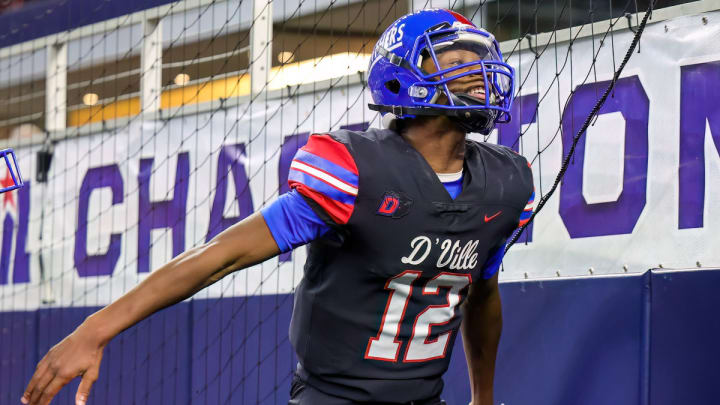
<point>328,148</point>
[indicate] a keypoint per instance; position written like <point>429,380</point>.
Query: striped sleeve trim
<point>327,170</point>
<point>324,171</point>
<point>298,175</point>
<point>527,212</point>
<point>531,202</point>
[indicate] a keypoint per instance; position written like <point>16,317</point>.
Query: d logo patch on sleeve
<point>394,204</point>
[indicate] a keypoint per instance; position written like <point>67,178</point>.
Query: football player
<point>406,226</point>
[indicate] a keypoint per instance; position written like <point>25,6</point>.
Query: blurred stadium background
<point>146,127</point>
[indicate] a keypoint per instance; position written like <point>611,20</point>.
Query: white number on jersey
<point>386,346</point>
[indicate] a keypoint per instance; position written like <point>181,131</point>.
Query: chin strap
<point>399,110</point>
<point>481,120</point>
<point>477,120</point>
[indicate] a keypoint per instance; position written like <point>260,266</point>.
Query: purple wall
<point>602,340</point>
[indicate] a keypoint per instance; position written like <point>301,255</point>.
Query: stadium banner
<point>638,193</point>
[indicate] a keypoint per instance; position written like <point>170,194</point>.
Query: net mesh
<point>161,137</point>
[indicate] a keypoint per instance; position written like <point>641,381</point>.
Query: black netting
<point>160,139</point>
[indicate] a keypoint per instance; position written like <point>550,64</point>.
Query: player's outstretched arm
<point>79,354</point>
<point>481,328</point>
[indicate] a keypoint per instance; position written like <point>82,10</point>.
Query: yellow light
<point>292,74</point>
<point>90,99</point>
<point>182,79</point>
<point>286,57</point>
<point>322,68</point>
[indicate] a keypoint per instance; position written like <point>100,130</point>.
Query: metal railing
<point>152,65</point>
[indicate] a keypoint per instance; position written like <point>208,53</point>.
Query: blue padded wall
<point>18,340</point>
<point>685,330</point>
<point>146,364</point>
<point>240,351</point>
<point>230,350</point>
<point>599,340</point>
<point>572,341</point>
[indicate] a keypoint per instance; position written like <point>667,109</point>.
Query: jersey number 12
<point>386,346</point>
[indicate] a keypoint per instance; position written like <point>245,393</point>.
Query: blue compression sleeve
<point>492,264</point>
<point>292,222</point>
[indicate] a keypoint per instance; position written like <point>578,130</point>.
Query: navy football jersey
<point>377,311</point>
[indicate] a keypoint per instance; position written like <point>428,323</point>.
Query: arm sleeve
<point>493,262</point>
<point>324,171</point>
<point>292,222</point>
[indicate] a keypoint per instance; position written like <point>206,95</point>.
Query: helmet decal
<point>392,38</point>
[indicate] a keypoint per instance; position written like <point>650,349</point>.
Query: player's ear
<point>427,65</point>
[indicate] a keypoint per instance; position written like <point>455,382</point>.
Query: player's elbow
<point>243,244</point>
<point>221,258</point>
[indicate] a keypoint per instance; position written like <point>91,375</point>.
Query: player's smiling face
<point>472,85</point>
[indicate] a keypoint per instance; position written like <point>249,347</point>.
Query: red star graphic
<point>10,195</point>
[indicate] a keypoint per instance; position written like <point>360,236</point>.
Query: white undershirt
<point>450,177</point>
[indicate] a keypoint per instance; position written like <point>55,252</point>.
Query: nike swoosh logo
<point>488,219</point>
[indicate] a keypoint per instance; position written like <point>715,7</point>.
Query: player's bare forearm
<point>79,354</point>
<point>481,328</point>
<point>242,245</point>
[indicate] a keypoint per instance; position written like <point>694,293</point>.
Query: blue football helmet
<point>17,182</point>
<point>400,86</point>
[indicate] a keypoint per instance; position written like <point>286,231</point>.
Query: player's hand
<point>79,354</point>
